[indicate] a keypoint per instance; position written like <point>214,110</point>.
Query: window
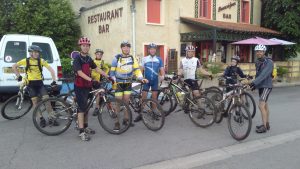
<point>15,51</point>
<point>245,11</point>
<point>46,51</point>
<point>205,9</point>
<point>154,11</point>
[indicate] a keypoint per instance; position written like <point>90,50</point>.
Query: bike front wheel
<point>115,116</point>
<point>249,102</point>
<point>239,122</point>
<point>15,107</point>
<point>202,111</point>
<point>52,116</point>
<point>152,114</point>
<point>166,102</point>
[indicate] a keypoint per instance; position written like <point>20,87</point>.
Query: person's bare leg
<point>264,113</point>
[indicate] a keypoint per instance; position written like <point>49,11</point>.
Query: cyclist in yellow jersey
<point>96,76</point>
<point>123,68</point>
<point>34,76</point>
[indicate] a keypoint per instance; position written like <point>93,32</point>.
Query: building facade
<point>209,25</point>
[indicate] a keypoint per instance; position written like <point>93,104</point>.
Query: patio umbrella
<point>282,42</point>
<point>255,41</point>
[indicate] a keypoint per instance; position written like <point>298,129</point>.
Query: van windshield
<point>46,51</point>
<point>15,51</point>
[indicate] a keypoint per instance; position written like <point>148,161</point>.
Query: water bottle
<point>180,96</point>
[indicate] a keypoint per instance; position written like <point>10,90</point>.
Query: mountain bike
<point>111,110</point>
<point>239,118</point>
<point>20,104</point>
<point>151,111</point>
<point>201,109</point>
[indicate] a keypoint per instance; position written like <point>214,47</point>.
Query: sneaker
<point>96,111</point>
<point>117,126</point>
<point>267,127</point>
<point>53,122</point>
<point>89,131</point>
<point>138,118</point>
<point>84,136</point>
<point>42,122</point>
<point>261,130</point>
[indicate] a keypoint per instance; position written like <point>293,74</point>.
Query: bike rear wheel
<point>115,111</point>
<point>216,97</point>
<point>53,110</point>
<point>15,108</point>
<point>152,114</point>
<point>202,111</point>
<point>239,122</point>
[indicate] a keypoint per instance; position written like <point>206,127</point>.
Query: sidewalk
<point>286,84</point>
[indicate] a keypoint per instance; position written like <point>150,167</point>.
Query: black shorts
<point>37,91</point>
<point>193,84</point>
<point>264,94</point>
<point>82,95</point>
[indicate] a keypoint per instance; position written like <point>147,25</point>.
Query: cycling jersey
<point>152,67</point>
<point>100,63</point>
<point>33,72</point>
<point>190,66</point>
<point>233,72</point>
<point>125,68</point>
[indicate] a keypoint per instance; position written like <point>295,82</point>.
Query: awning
<point>223,30</point>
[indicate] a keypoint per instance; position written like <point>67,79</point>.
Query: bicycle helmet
<point>237,58</point>
<point>260,47</point>
<point>125,43</point>
<point>34,48</point>
<point>99,50</point>
<point>84,41</point>
<point>152,45</point>
<point>190,48</point>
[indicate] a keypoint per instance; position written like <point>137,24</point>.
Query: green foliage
<point>283,16</point>
<point>281,71</point>
<point>67,66</point>
<point>213,67</point>
<point>54,19</point>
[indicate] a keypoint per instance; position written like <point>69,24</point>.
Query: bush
<point>67,66</point>
<point>281,71</point>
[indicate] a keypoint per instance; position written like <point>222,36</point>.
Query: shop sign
<point>228,6</point>
<point>105,16</point>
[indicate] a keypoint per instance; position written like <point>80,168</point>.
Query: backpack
<point>85,68</point>
<point>39,66</point>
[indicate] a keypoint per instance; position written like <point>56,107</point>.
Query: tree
<point>52,18</point>
<point>283,16</point>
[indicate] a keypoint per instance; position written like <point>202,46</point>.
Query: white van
<point>14,47</point>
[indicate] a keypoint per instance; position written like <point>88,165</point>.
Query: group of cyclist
<point>123,68</point>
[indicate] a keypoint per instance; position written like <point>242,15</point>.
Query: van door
<point>14,51</point>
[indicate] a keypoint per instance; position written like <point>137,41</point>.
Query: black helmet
<point>34,48</point>
<point>99,50</point>
<point>125,43</point>
<point>152,45</point>
<point>237,58</point>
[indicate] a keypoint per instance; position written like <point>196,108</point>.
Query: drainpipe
<point>133,11</point>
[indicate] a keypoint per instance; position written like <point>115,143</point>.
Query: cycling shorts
<point>264,94</point>
<point>82,95</point>
<point>153,84</point>
<point>193,84</point>
<point>123,89</point>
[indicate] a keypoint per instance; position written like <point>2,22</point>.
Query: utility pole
<point>133,11</point>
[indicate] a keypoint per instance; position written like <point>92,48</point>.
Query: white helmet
<point>190,48</point>
<point>260,47</point>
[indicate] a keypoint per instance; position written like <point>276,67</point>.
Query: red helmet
<point>84,41</point>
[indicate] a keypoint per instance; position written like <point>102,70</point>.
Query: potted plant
<point>214,68</point>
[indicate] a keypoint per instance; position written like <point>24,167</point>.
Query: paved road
<point>22,146</point>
